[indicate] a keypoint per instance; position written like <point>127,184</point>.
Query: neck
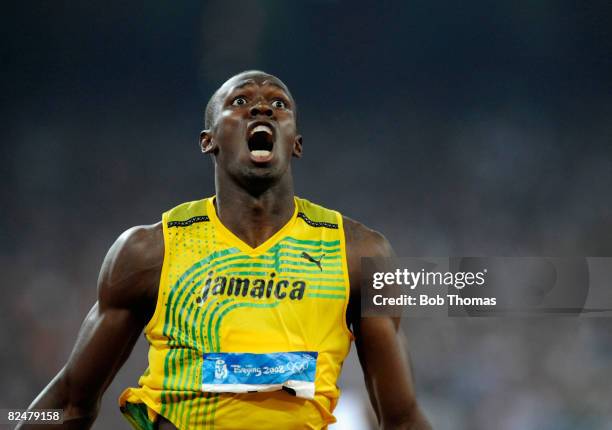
<point>254,216</point>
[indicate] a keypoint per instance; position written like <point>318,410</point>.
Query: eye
<point>279,104</point>
<point>239,101</point>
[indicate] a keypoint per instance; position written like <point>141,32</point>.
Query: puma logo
<point>312,260</point>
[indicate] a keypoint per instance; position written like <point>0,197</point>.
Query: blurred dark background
<point>453,128</point>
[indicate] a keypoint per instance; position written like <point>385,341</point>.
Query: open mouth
<point>261,141</point>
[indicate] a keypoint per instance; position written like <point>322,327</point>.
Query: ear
<point>206,142</point>
<point>297,146</point>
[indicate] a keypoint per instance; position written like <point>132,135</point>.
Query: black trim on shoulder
<point>316,223</point>
<point>187,222</point>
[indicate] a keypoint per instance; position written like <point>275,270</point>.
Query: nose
<point>261,109</point>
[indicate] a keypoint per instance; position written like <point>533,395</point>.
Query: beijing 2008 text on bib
<point>245,337</point>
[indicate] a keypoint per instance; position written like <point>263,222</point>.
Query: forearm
<point>414,419</point>
<point>56,396</point>
<point>82,423</point>
<point>388,376</point>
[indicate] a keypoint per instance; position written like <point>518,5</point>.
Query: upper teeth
<point>263,128</point>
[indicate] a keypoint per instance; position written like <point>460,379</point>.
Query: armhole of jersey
<point>162,284</point>
<point>345,274</point>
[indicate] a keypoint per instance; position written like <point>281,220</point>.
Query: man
<point>246,298</point>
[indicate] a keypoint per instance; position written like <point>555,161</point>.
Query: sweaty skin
<point>254,200</point>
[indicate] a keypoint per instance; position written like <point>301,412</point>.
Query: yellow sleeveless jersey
<point>241,337</point>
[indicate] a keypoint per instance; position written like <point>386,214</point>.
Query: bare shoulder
<point>362,241</point>
<point>131,270</point>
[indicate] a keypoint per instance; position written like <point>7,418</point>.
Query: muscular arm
<point>127,290</point>
<point>383,357</point>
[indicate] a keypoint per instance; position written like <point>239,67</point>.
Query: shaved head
<point>242,77</point>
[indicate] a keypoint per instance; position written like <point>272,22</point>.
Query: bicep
<point>105,340</point>
<point>114,323</point>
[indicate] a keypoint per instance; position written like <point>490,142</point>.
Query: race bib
<point>245,372</point>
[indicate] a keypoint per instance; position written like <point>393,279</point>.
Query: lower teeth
<point>260,153</point>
